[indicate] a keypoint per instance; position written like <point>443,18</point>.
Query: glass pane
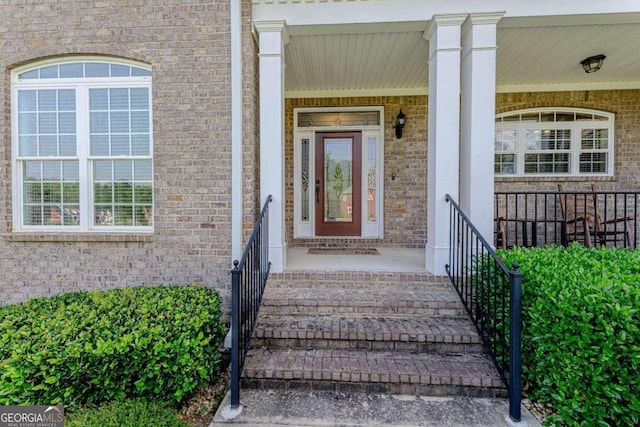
<point>123,215</point>
<point>33,74</point>
<point>140,99</point>
<point>99,145</point>
<point>47,100</point>
<point>122,170</point>
<point>143,194</point>
<point>304,187</point>
<point>67,145</point>
<point>371,178</point>
<point>67,122</point>
<point>505,164</point>
<point>99,99</point>
<point>49,72</point>
<point>338,180</point>
<point>51,193</point>
<point>103,193</point>
<point>104,215</point>
<point>119,99</point>
<point>120,145</point>
<point>102,170</point>
<point>67,100</point>
<point>71,70</point>
<point>120,70</point>
<point>28,145</point>
<point>143,216</point>
<point>99,122</point>
<point>142,170</point>
<point>27,123</point>
<point>594,139</point>
<point>505,140</point>
<point>140,121</point>
<point>48,145</point>
<point>27,100</point>
<point>339,118</point>
<point>135,71</point>
<point>593,162</point>
<point>47,123</point>
<point>119,122</point>
<point>140,145</point>
<point>94,69</point>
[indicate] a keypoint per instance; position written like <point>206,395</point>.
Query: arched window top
<point>547,115</point>
<point>85,67</point>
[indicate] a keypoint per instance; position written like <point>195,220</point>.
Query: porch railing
<point>248,280</point>
<point>592,218</point>
<point>491,294</point>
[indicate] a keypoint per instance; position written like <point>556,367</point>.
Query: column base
<point>278,257</point>
<point>435,259</point>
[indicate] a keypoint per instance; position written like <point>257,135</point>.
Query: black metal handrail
<point>592,218</point>
<point>492,295</point>
<point>248,280</point>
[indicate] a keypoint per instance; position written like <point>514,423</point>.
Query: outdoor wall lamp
<point>592,63</point>
<point>400,120</point>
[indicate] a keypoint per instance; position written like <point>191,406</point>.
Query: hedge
<point>581,332</point>
<point>89,347</point>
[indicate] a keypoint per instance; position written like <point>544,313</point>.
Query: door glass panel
<point>371,179</point>
<point>304,194</point>
<point>338,166</point>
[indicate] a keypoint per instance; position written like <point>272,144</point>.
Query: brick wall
<point>187,45</point>
<point>405,198</point>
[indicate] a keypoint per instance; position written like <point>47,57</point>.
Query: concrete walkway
<point>321,408</point>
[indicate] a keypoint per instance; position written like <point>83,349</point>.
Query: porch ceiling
<point>356,60</point>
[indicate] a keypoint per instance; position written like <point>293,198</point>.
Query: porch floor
<point>390,259</point>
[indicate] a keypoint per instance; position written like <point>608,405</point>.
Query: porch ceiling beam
<point>313,12</point>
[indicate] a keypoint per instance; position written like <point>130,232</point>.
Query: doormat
<point>343,251</point>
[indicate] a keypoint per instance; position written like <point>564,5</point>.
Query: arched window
<point>554,142</point>
<point>82,146</point>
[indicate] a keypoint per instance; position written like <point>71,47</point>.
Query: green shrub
<point>126,413</point>
<point>89,347</point>
<point>581,335</point>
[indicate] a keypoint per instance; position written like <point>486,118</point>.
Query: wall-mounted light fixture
<point>592,63</point>
<point>400,120</point>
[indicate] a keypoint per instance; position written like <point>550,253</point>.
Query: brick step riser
<point>440,390</point>
<point>344,284</point>
<point>362,311</point>
<point>346,344</point>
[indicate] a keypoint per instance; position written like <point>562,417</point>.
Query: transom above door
<point>338,171</point>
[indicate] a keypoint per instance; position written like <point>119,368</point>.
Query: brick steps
<point>365,371</point>
<point>387,301</point>
<point>431,335</point>
<point>357,280</point>
<point>370,332</point>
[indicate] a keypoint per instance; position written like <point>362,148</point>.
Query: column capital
<point>261,27</point>
<point>439,21</point>
<point>489,18</point>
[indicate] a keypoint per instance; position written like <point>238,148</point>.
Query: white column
<point>478,120</point>
<point>272,39</point>
<point>444,133</point>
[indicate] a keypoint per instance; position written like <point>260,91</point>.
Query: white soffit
<point>354,64</point>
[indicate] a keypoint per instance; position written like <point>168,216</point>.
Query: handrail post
<point>235,336</point>
<point>515,342</point>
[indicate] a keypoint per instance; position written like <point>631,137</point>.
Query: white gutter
<point>236,130</point>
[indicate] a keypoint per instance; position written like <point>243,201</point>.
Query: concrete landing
<point>321,408</point>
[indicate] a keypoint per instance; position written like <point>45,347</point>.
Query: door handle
<point>317,191</point>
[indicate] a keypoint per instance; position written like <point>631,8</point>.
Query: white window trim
<point>82,86</point>
<point>369,229</point>
<point>576,149</point>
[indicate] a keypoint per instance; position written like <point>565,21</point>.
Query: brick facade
<point>187,45</point>
<point>188,48</point>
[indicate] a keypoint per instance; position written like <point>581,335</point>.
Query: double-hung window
<point>554,142</point>
<point>82,146</point>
